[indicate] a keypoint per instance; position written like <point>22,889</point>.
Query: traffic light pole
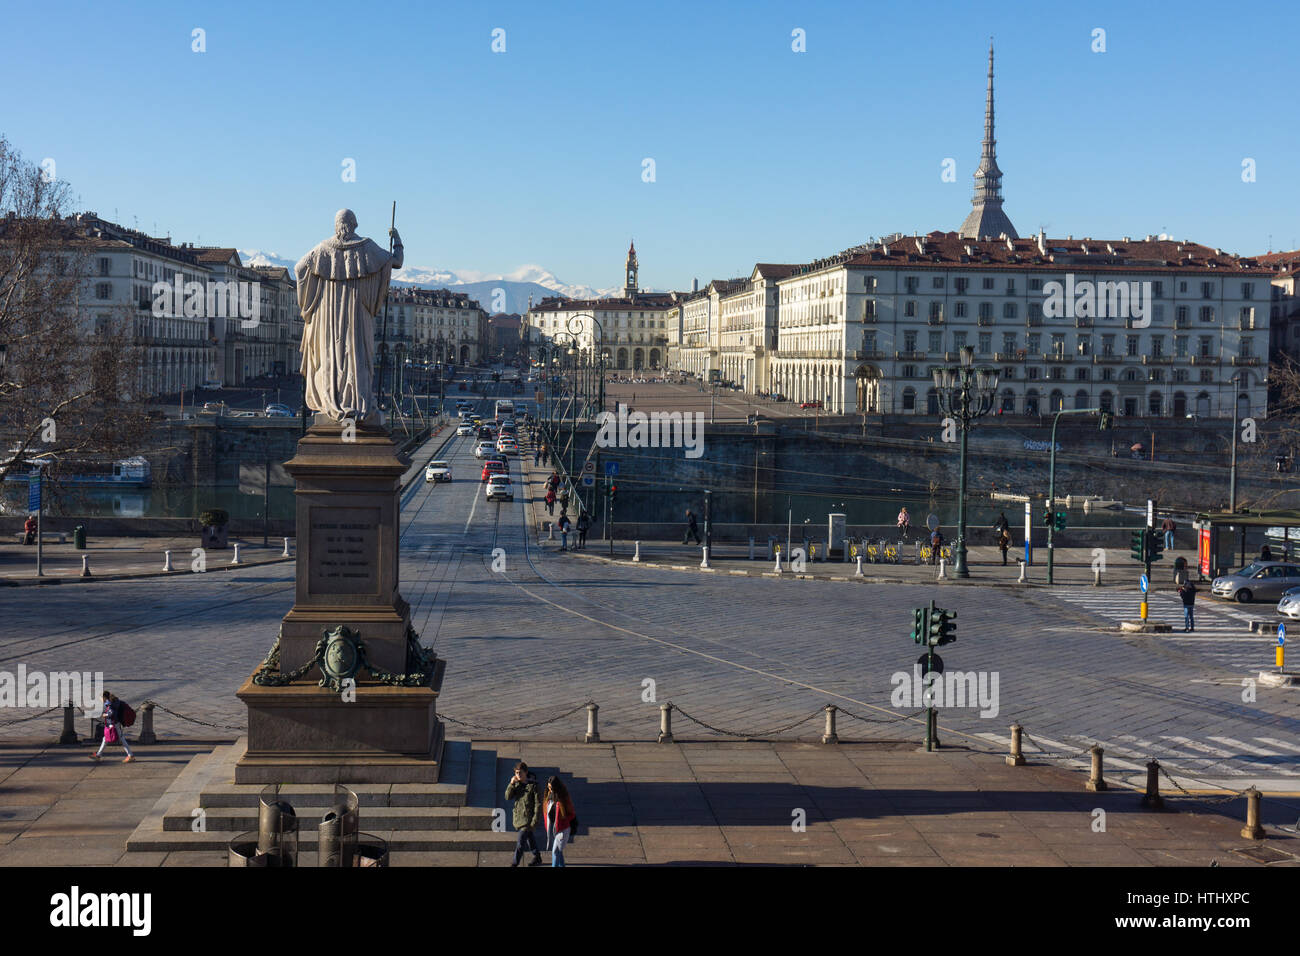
<point>1051,486</point>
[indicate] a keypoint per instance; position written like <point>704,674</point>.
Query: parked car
<point>815,403</point>
<point>1260,579</point>
<point>211,384</point>
<point>437,471</point>
<point>1289,606</point>
<point>276,410</point>
<point>499,487</point>
<point>482,448</point>
<point>491,468</point>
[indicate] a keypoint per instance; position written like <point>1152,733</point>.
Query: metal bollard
<point>830,737</point>
<point>147,735</point>
<point>636,555</point>
<point>1022,572</point>
<point>285,552</point>
<point>1151,800</point>
<point>1096,783</point>
<point>167,560</point>
<point>705,562</point>
<point>1016,758</point>
<point>847,557</point>
<point>1252,830</point>
<point>858,572</point>
<point>550,534</point>
<point>593,734</point>
<point>85,565</point>
<point>69,735</point>
<point>1096,577</point>
<point>666,723</point>
<point>942,566</point>
<point>778,562</point>
<point>235,559</point>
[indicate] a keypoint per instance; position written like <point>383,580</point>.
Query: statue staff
<point>383,348</point>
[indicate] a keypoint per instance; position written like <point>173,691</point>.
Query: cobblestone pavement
<point>737,653</point>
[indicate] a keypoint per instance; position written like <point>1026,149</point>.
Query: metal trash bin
<point>277,828</point>
<point>338,830</point>
<point>243,851</point>
<point>79,537</point>
<point>371,850</point>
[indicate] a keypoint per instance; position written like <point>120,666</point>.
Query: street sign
<point>588,480</point>
<point>924,661</point>
<point>34,493</point>
<point>1151,513</point>
<point>1144,583</point>
<point>589,467</point>
<point>1281,635</point>
<point>611,468</point>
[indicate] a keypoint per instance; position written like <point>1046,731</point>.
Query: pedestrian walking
<point>1188,593</point>
<point>114,717</point>
<point>1265,553</point>
<point>584,525</point>
<point>561,819</point>
<point>565,525</point>
<point>936,545</point>
<point>692,529</point>
<point>904,522</point>
<point>550,501</point>
<point>553,482</point>
<point>1004,542</point>
<point>1002,524</point>
<point>1168,527</point>
<point>564,500</point>
<point>537,455</point>
<point>29,530</point>
<point>523,790</point>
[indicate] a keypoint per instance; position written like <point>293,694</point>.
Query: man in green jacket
<point>522,789</point>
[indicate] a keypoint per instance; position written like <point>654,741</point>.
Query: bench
<point>46,536</point>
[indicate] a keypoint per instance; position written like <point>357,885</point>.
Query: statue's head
<point>345,224</point>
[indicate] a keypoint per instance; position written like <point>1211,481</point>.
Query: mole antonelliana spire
<point>986,218</point>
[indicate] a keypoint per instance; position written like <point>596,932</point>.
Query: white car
<point>464,428</point>
<point>1289,606</point>
<point>437,471</point>
<point>483,447</point>
<point>499,487</point>
<point>507,447</point>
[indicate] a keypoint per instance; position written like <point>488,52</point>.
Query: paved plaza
<point>530,634</point>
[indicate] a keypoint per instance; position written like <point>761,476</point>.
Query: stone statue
<point>342,286</point>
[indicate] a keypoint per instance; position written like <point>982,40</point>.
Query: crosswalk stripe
<point>1249,748</point>
<point>1272,742</point>
<point>1193,745</point>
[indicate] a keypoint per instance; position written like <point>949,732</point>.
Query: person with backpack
<point>117,715</point>
<point>550,501</point>
<point>522,789</point>
<point>564,500</point>
<point>1188,593</point>
<point>561,819</point>
<point>936,545</point>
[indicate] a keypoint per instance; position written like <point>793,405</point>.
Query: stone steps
<point>399,841</point>
<point>228,819</point>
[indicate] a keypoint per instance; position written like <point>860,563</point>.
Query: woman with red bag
<point>560,818</point>
<point>113,731</point>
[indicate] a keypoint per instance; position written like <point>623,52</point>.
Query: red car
<point>491,468</point>
<point>813,404</point>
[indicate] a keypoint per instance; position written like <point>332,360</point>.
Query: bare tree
<point>69,381</point>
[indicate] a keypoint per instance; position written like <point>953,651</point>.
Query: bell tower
<point>630,286</point>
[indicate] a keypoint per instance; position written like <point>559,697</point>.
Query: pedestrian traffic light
<point>613,490</point>
<point>1107,420</point>
<point>1137,545</point>
<point>1047,517</point>
<point>920,624</point>
<point>941,629</point>
<point>1060,521</point>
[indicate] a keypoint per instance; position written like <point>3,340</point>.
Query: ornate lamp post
<point>965,394</point>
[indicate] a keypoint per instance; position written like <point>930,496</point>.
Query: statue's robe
<point>342,285</point>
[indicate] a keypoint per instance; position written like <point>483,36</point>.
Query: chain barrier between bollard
<point>19,720</point>
<point>192,720</point>
<point>540,723</point>
<point>820,712</point>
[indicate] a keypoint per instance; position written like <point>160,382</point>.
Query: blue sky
<point>535,155</point>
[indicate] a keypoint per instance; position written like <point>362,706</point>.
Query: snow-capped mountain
<point>494,292</point>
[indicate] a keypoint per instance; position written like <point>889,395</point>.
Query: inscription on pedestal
<point>344,551</point>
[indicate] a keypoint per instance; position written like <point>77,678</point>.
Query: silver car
<point>1289,606</point>
<point>1261,579</point>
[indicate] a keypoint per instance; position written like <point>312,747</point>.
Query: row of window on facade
<point>912,286</point>
<point>1035,404</point>
<point>1133,344</point>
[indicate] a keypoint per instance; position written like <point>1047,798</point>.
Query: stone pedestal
<point>348,520</point>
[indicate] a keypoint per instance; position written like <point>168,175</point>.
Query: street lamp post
<point>1232,472</point>
<point>965,393</point>
<point>1051,484</point>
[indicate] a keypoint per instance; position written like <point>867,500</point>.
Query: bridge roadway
<point>741,654</point>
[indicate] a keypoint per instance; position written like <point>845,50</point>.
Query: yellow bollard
<point>1280,654</point>
<point>1143,609</point>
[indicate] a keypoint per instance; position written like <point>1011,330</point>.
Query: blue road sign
<point>34,493</point>
<point>1281,634</point>
<point>1144,583</point>
<point>611,469</point>
<point>588,480</point>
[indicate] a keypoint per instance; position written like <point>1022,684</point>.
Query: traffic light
<point>1154,546</point>
<point>613,490</point>
<point>920,624</point>
<point>1060,521</point>
<point>1137,545</point>
<point>1106,421</point>
<point>941,629</point>
<point>1047,517</point>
